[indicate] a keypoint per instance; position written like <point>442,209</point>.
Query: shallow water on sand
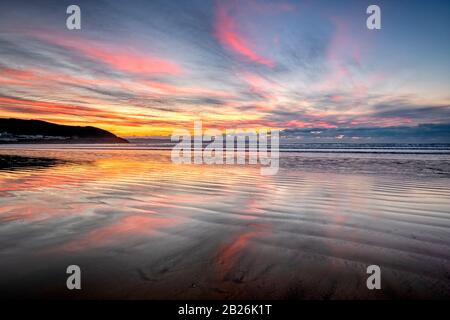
<point>142,227</point>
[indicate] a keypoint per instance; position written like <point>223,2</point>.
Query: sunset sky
<point>139,68</point>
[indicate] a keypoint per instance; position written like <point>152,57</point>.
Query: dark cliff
<point>37,131</point>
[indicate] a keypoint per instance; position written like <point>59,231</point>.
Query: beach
<point>142,227</point>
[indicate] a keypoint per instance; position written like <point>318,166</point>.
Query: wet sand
<point>141,227</point>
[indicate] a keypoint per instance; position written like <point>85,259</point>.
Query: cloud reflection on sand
<point>162,230</point>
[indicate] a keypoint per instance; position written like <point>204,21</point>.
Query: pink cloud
<point>259,84</point>
<point>123,229</point>
<point>118,58</point>
<point>228,35</point>
<point>343,45</point>
<point>169,89</point>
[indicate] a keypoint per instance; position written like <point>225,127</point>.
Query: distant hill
<point>37,131</point>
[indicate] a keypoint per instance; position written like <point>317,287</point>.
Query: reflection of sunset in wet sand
<point>130,226</point>
<point>228,255</point>
<point>162,230</point>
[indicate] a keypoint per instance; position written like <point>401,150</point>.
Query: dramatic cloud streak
<point>114,56</point>
<point>228,34</point>
<point>145,68</point>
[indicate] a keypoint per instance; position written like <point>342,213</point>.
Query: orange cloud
<point>33,76</point>
<point>44,107</point>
